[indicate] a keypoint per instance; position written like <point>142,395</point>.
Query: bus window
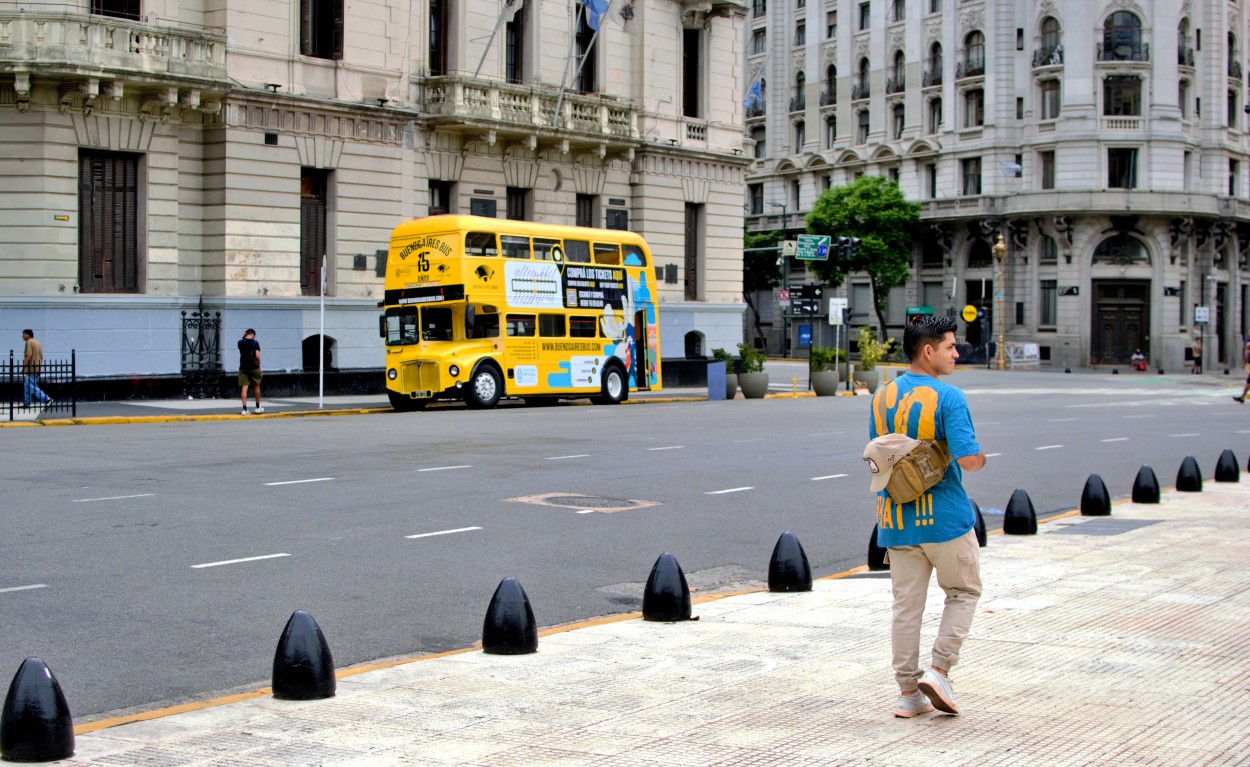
<point>520,325</point>
<point>401,327</point>
<point>485,326</point>
<point>543,248</point>
<point>607,254</point>
<point>436,323</point>
<point>577,251</point>
<point>551,325</point>
<point>583,327</point>
<point>480,244</point>
<point>635,255</point>
<point>515,247</point>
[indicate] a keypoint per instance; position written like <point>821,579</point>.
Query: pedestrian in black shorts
<point>249,368</point>
<point>1245,364</point>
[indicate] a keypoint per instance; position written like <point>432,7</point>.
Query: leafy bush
<point>826,358</point>
<point>720,355</point>
<point>752,359</point>
<point>870,349</point>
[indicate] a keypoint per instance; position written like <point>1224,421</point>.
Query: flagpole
<point>508,9</point>
<point>758,74</point>
<point>589,48</point>
<point>321,341</point>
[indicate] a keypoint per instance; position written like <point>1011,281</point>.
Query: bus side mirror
<point>470,316</point>
<point>382,325</point>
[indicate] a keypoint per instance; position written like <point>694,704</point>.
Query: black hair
<point>249,332</point>
<point>929,329</point>
<point>29,332</point>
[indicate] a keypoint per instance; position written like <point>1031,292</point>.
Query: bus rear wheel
<point>613,391</point>
<point>484,389</point>
<point>402,403</point>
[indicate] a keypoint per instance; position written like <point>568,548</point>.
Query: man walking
<point>935,531</point>
<point>32,366</point>
<point>249,368</point>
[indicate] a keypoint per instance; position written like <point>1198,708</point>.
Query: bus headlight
<point>453,371</point>
<point>392,374</point>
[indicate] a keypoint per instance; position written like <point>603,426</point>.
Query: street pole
<point>785,278</point>
<point>1000,251</point>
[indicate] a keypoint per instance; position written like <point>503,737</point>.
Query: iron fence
<point>57,379</point>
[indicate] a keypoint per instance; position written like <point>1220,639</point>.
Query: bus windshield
<point>409,325</point>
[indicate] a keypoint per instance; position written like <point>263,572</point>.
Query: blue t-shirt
<point>923,407</point>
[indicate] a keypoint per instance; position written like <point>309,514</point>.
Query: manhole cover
<point>585,503</point>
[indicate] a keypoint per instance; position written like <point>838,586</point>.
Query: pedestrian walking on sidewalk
<point>1196,350</point>
<point>1245,364</point>
<point>249,368</point>
<point>935,531</point>
<point>32,366</point>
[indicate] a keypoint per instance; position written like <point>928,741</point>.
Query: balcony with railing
<point>798,102</point>
<point>1048,56</point>
<point>895,85</point>
<point>972,68</point>
<point>860,90</point>
<point>1123,52</point>
<point>1234,70</point>
<point>1185,56</point>
<point>932,76</point>
<point>829,96</point>
<point>756,110</point>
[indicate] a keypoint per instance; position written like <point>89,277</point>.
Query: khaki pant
<point>959,575</point>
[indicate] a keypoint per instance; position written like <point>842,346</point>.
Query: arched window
<point>1121,38</point>
<point>798,101</point>
<point>1184,53</point>
<point>933,67</point>
<point>898,74</point>
<point>900,65</point>
<point>979,255</point>
<point>974,54</point>
<point>1121,250</point>
<point>829,95</point>
<point>1050,33</point>
<point>863,73</point>
<point>1234,66</point>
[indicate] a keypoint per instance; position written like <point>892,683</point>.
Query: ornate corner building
<point>161,157</point>
<point>1107,142</point>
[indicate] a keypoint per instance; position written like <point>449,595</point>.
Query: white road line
<point>992,455</point>
<point>1243,431</point>
<point>756,439</point>
<point>1060,420</point>
<point>1186,434</point>
<point>1116,439</point>
<point>558,457</point>
<point>445,468</point>
<point>236,561</point>
<point>25,588</point>
<point>670,447</point>
<point>586,511</point>
<point>1146,415</point>
<point>299,481</point>
<point>443,532</point>
<point>113,498</point>
<point>830,476</point>
<point>1047,447</point>
<point>730,490</point>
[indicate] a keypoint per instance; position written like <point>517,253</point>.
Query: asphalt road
<point>121,566</point>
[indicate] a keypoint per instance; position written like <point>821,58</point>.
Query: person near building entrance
<point>1196,350</point>
<point>935,531</point>
<point>1245,364</point>
<point>249,368</point>
<point>32,366</point>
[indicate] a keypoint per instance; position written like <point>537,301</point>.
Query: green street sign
<point>814,247</point>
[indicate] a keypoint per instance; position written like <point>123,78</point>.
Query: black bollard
<point>1020,519</point>
<point>983,538</point>
<point>509,627</point>
<point>789,570</point>
<point>1226,469</point>
<point>35,725</point>
<point>1188,477</point>
<point>1146,486</point>
<point>303,668</point>
<point>876,554</point>
<point>1095,500</point>
<point>667,595</point>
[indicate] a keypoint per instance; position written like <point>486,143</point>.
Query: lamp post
<point>785,278</point>
<point>1000,251</point>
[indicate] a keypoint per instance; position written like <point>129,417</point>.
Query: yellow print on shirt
<point>887,400</point>
<point>891,515</point>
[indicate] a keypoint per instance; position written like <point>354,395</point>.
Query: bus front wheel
<point>484,388</point>
<point>614,389</point>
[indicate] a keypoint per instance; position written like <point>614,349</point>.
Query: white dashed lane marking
<point>1116,439</point>
<point>299,481</point>
<point>24,588</point>
<point>1048,447</point>
<point>445,468</point>
<point>113,498</point>
<point>443,532</point>
<point>829,476</point>
<point>237,561</point>
<point>729,490</point>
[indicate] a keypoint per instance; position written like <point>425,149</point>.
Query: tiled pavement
<point>1126,647</point>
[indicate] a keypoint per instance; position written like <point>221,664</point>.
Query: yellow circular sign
<point>969,313</point>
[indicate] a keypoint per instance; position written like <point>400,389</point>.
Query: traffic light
<point>854,247</point>
<point>848,248</point>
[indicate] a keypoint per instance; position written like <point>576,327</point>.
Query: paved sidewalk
<point>1099,641</point>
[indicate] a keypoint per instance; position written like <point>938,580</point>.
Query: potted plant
<point>751,375</point>
<point>870,353</point>
<point>731,377</point>
<point>824,370</point>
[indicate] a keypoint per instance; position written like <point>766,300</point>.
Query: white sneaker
<point>938,689</point>
<point>258,409</point>
<point>244,412</point>
<point>915,704</point>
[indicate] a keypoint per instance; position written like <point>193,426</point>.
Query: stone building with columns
<point>163,156</point>
<point>1107,142</point>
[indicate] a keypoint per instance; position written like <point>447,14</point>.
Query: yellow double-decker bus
<point>482,308</point>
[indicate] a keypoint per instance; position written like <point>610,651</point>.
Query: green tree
<point>759,269</point>
<point>873,209</point>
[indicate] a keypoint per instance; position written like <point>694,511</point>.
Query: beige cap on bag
<point>883,453</point>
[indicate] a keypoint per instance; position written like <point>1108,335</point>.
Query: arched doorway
<point>1121,305</point>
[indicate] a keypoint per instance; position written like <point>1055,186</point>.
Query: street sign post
<point>814,247</point>
<point>836,305</point>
